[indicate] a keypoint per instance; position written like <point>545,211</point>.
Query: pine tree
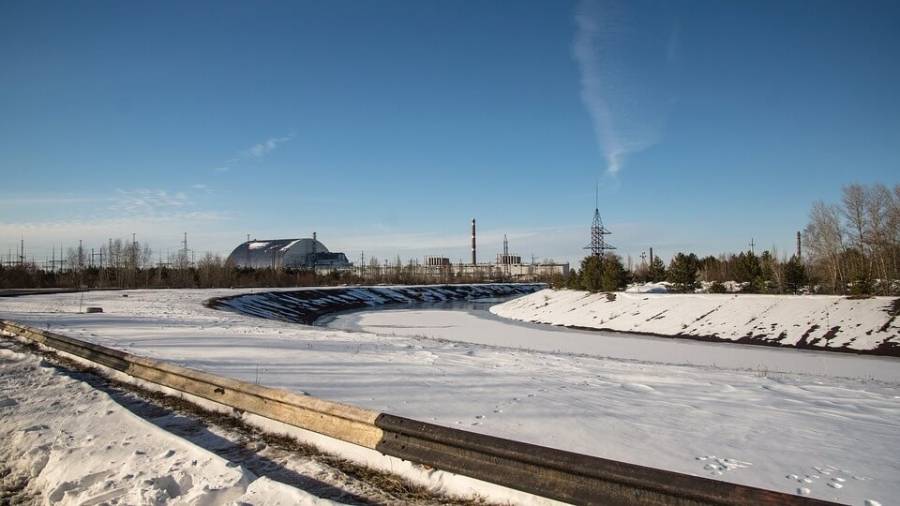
<point>683,272</point>
<point>657,270</point>
<point>794,274</point>
<point>746,267</point>
<point>613,275</point>
<point>602,273</point>
<point>766,277</point>
<point>590,274</point>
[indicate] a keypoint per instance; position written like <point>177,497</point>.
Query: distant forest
<point>850,247</point>
<point>211,271</point>
<point>130,265</point>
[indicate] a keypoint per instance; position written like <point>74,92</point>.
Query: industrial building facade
<point>443,270</point>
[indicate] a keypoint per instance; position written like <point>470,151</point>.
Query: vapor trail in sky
<point>626,108</point>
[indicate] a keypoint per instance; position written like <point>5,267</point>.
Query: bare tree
<point>824,238</point>
<point>854,200</point>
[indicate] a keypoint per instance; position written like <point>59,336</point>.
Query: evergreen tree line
<point>848,248</point>
<point>686,272</point>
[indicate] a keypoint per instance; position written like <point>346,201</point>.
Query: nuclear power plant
<point>310,254</point>
<point>506,265</point>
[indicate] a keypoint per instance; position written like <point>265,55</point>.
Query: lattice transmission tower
<point>598,246</point>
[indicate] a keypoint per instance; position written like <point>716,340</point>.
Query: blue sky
<point>387,126</point>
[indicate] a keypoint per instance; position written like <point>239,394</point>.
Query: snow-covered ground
<point>866,325</point>
<point>830,437</point>
<point>65,442</point>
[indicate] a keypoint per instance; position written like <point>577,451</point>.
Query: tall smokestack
<point>473,241</point>
<point>651,256</point>
<point>798,245</point>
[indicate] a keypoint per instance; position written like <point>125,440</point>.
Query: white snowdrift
<point>818,322</point>
<point>661,287</point>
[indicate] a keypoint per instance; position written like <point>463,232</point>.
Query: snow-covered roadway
<point>831,437</point>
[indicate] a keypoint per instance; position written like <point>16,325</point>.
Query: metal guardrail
<point>547,472</point>
<point>19,292</point>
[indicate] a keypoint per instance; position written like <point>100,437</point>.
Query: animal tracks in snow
<point>832,477</point>
<point>719,465</point>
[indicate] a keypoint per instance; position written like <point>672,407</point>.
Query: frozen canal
<point>812,423</point>
<point>473,323</point>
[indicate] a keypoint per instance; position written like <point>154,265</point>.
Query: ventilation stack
<point>473,242</point>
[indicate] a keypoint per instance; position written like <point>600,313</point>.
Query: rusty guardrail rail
<point>547,472</point>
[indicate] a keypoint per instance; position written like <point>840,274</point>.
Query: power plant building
<point>437,261</point>
<point>507,266</point>
<point>306,253</point>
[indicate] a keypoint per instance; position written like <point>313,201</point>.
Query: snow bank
<point>666,287</point>
<point>661,287</point>
<point>862,325</point>
<point>729,286</point>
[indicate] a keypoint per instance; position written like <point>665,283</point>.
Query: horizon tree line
<point>130,264</point>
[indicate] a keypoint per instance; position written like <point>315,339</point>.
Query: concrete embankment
<point>306,305</point>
